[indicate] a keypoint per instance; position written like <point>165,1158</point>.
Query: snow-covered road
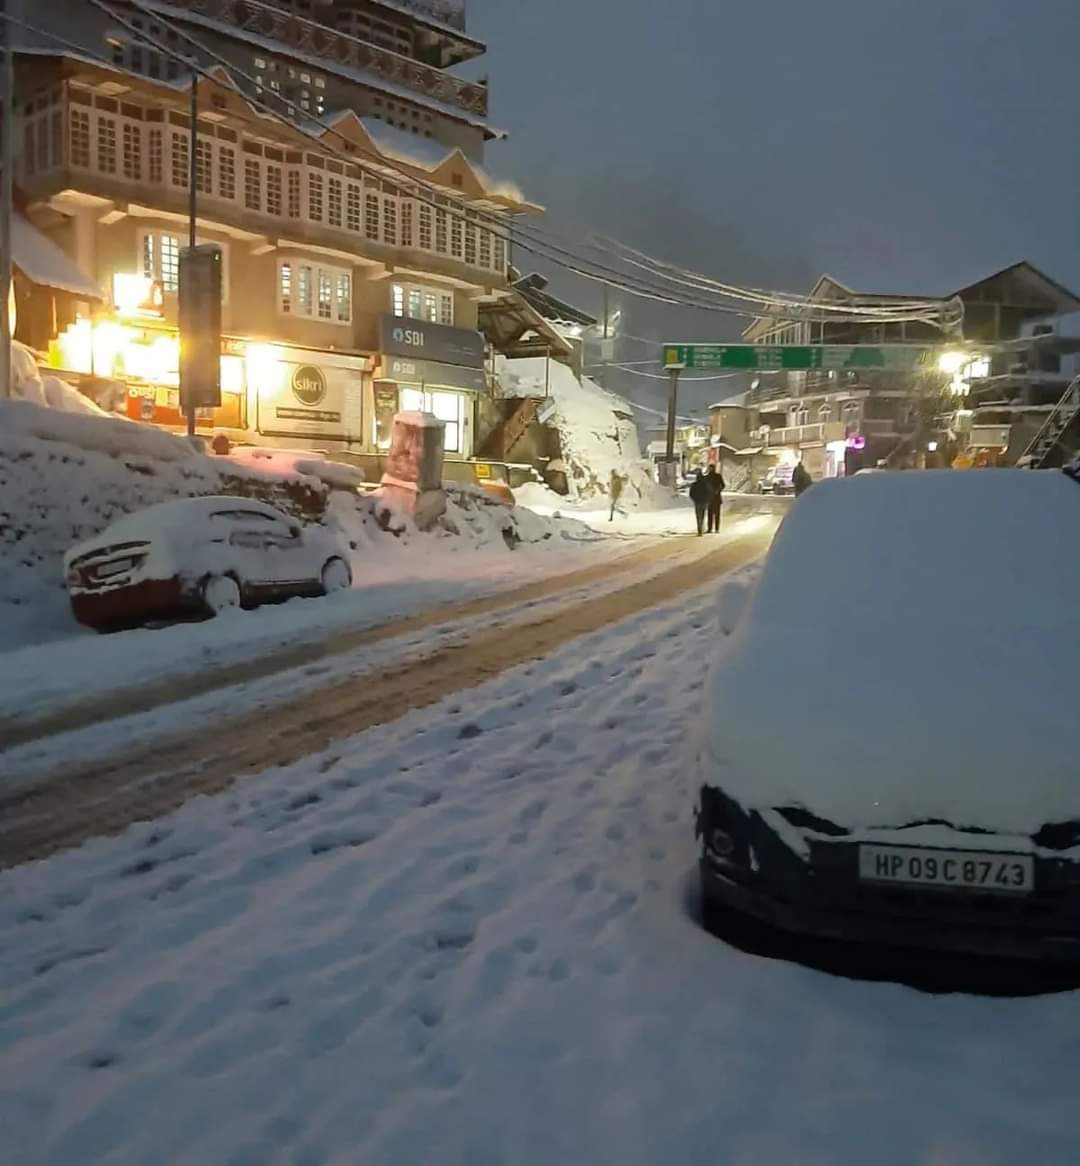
<point>461,938</point>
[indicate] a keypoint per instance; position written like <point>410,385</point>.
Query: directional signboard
<point>795,357</point>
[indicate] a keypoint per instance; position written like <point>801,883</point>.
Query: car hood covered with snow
<point>910,654</point>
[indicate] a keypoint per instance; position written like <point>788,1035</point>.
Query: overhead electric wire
<point>527,240</point>
<point>537,244</point>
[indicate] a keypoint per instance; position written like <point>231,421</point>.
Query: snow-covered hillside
<point>596,429</point>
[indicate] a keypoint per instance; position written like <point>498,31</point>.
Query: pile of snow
<point>910,654</point>
<point>27,384</point>
<point>65,478</point>
<point>597,432</point>
<point>307,462</point>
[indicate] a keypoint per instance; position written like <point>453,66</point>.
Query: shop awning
<point>42,262</point>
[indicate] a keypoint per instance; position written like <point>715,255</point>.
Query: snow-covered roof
<point>426,153</point>
<point>44,263</point>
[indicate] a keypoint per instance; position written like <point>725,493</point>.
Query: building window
<point>315,197</point>
<point>441,227</point>
<point>180,160</point>
<point>326,296</point>
<point>407,210</point>
<point>321,293</point>
<point>485,249</point>
<point>422,303</point>
<point>426,237</point>
<point>294,194</point>
<point>470,244</point>
<point>390,220</point>
<point>372,217</point>
<point>457,235</point>
<point>273,191</point>
<point>132,152</point>
<point>156,156</point>
<point>204,165</point>
<point>500,255</point>
<point>343,297</point>
<point>161,259</point>
<point>252,184</point>
<point>106,145</point>
<point>353,214</point>
<point>333,201</point>
<point>226,172</point>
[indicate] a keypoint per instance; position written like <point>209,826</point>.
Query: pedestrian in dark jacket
<point>801,479</point>
<point>715,481</point>
<point>699,495</point>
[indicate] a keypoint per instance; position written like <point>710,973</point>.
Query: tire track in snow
<point>106,797</point>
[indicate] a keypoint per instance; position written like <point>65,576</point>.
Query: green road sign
<point>795,357</point>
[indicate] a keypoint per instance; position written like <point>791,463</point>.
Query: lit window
<point>320,82</point>
<point>343,297</point>
<point>303,291</point>
<point>260,63</point>
<point>161,259</point>
<point>422,303</point>
<point>285,287</point>
<point>326,296</point>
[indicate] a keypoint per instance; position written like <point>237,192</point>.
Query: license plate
<point>969,870</point>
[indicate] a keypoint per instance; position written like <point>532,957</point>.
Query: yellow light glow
<point>13,315</point>
<point>133,295</point>
<point>951,363</point>
<point>232,374</point>
<point>261,363</point>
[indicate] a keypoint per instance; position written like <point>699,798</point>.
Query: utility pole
<point>669,447</point>
<point>7,152</point>
<point>604,342</point>
<point>193,206</point>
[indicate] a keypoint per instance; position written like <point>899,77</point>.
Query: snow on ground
<point>596,429</point>
<point>461,939</point>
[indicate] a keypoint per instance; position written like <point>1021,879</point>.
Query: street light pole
<point>673,398</point>
<point>7,134</point>
<point>193,206</point>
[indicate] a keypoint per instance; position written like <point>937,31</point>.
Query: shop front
<point>429,368</point>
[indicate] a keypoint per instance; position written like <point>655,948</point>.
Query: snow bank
<point>596,428</point>
<point>27,384</point>
<point>909,654</point>
<point>64,478</point>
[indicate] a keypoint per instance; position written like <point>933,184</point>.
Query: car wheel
<point>336,576</point>
<point>220,593</point>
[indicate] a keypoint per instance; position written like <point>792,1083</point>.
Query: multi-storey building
<point>838,422</point>
<point>354,264</point>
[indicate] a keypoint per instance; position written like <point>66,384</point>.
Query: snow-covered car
<point>202,556</point>
<point>778,479</point>
<point>890,750</point>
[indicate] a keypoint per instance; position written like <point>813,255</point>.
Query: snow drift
<point>65,478</point>
<point>597,432</point>
<point>910,654</point>
<point>27,384</point>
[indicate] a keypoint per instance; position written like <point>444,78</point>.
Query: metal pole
<point>604,354</point>
<point>193,206</point>
<point>673,397</point>
<point>7,134</point>
<point>547,373</point>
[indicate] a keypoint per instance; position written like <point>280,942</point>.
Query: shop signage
<point>308,384</point>
<point>781,357</point>
<point>409,371</point>
<point>423,340</point>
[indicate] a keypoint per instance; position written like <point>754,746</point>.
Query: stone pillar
<point>413,478</point>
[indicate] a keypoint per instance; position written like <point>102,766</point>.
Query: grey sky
<point>901,145</point>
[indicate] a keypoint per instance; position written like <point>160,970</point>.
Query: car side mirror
<point>732,601</point>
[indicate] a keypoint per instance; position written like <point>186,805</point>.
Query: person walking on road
<point>716,484</point>
<point>801,479</point>
<point>700,495</point>
<point>615,486</point>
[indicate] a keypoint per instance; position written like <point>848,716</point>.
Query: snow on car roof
<point>909,654</point>
<point>182,511</point>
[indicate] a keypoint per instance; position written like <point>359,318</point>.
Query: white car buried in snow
<point>891,750</point>
<point>203,556</point>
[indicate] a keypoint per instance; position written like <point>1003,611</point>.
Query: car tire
<point>220,593</point>
<point>336,576</point>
